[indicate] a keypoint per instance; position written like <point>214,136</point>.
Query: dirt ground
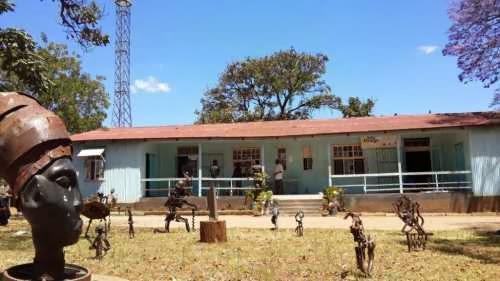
<point>381,222</point>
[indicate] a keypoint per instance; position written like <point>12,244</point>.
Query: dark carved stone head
<point>51,202</point>
<point>35,159</point>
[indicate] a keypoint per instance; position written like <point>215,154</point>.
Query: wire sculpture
<point>275,211</point>
<point>176,200</point>
<point>131,232</point>
<point>100,244</point>
<point>98,208</point>
<point>365,245</point>
<point>409,212</point>
<point>299,230</point>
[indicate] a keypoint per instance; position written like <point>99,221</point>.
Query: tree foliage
<point>474,38</point>
<point>284,85</point>
<point>78,98</point>
<point>357,108</point>
<point>51,73</point>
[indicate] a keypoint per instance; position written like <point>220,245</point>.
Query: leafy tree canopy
<point>285,85</point>
<point>474,38</point>
<point>357,108</point>
<point>50,72</point>
<point>78,98</point>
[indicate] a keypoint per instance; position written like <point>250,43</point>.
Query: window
<point>246,157</point>
<point>307,157</point>
<point>282,157</point>
<point>348,159</point>
<point>94,167</point>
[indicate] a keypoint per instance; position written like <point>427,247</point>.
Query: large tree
<point>285,85</point>
<point>474,38</point>
<point>51,73</point>
<point>18,56</point>
<point>78,98</point>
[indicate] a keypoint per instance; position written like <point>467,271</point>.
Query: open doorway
<point>417,159</point>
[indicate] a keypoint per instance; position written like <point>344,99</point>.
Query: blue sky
<point>388,50</point>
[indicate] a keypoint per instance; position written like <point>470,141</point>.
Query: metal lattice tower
<point>122,116</point>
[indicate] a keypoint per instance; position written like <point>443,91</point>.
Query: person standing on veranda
<point>278,177</point>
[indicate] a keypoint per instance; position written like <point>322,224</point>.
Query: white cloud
<point>150,85</point>
<point>427,49</point>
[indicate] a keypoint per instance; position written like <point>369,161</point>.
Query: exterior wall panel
<point>485,161</point>
<point>122,171</point>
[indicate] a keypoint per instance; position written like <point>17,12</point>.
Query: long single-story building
<point>390,154</point>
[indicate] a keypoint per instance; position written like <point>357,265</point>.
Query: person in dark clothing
<point>214,169</point>
<point>237,173</point>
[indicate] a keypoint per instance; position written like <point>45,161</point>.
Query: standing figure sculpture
<point>275,212</point>
<point>299,230</point>
<point>131,232</point>
<point>413,228</point>
<point>35,160</point>
<point>100,244</point>
<point>97,208</point>
<point>365,245</point>
<point>176,200</point>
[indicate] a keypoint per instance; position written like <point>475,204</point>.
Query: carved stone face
<point>51,202</point>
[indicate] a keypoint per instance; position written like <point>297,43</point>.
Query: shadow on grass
<point>480,245</point>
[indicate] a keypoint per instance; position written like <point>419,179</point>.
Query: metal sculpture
<point>131,232</point>
<point>299,230</point>
<point>275,212</point>
<point>409,212</point>
<point>100,244</point>
<point>35,160</point>
<point>176,200</point>
<point>98,208</point>
<point>365,245</point>
<point>4,209</point>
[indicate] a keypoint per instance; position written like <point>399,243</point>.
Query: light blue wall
<point>485,160</point>
<point>122,171</point>
<point>126,162</point>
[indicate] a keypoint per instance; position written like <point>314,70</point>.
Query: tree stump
<point>213,231</point>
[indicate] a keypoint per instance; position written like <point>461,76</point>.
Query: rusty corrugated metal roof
<point>294,128</point>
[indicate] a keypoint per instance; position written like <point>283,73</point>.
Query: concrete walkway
<point>389,222</point>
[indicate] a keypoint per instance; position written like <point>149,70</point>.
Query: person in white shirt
<point>278,177</point>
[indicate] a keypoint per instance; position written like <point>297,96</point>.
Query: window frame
<point>282,156</point>
<point>94,168</point>
<point>307,158</point>
<point>247,157</point>
<point>348,153</point>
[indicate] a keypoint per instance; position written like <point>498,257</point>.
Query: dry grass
<point>259,254</point>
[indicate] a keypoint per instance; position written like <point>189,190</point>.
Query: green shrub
<point>331,193</point>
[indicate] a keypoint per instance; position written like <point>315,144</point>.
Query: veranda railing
<point>224,186</point>
<point>405,181</point>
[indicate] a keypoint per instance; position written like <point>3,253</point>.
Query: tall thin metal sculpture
<point>365,245</point>
<point>299,216</point>
<point>122,116</point>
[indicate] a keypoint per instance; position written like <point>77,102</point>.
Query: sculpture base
<point>213,231</point>
<point>24,272</point>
